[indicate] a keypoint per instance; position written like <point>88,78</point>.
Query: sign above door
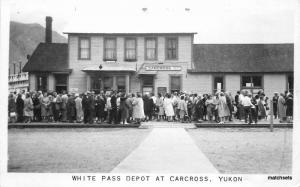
<point>162,68</point>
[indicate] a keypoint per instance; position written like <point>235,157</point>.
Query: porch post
<point>114,83</point>
<point>127,83</point>
<point>51,82</point>
<point>88,82</point>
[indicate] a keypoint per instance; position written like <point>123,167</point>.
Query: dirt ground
<point>70,150</point>
<point>246,151</point>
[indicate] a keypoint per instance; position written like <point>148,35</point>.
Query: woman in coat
<point>148,107</point>
<point>123,109</point>
<point>168,106</point>
<point>78,106</point>
<point>138,108</point>
<point>289,107</point>
<point>97,107</point>
<point>128,102</point>
<point>182,106</point>
<point>36,107</point>
<point>261,108</point>
<point>28,108</point>
<point>64,101</point>
<point>45,102</point>
<point>50,108</point>
<point>160,105</point>
<point>223,110</point>
<point>19,108</point>
<point>209,107</point>
<point>71,109</point>
<point>281,108</point>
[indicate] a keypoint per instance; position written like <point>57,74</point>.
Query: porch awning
<point>109,68</point>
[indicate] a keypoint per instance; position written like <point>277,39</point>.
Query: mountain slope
<point>23,40</point>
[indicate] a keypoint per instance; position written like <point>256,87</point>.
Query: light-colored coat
<point>160,105</point>
<point>222,107</point>
<point>168,106</point>
<point>28,107</point>
<point>138,108</point>
<point>78,105</point>
<point>281,107</point>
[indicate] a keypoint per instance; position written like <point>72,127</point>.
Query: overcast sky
<point>215,21</point>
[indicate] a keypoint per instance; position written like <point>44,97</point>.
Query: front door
<point>147,84</point>
<point>96,84</point>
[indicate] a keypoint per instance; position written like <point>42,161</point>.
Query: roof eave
<point>150,33</point>
<point>235,72</point>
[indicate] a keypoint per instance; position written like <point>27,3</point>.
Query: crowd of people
<point>117,107</point>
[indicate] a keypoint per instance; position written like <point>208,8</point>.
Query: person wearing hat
<point>64,101</point>
<point>289,107</point>
<point>281,108</point>
<point>246,102</point>
<point>114,109</point>
<point>91,106</point>
<point>71,108</point>
<point>138,108</point>
<point>85,107</point>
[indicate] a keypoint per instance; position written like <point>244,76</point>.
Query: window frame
<point>104,48</point>
<point>145,49</point>
<point>125,49</point>
<point>213,82</point>
<point>117,83</point>
<point>287,82</point>
<point>79,48</point>
<point>167,49</point>
<point>251,77</point>
<point>37,82</point>
<point>112,85</point>
<point>170,82</point>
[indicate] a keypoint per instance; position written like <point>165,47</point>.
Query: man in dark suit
<point>91,106</point>
<point>113,113</point>
<point>85,108</point>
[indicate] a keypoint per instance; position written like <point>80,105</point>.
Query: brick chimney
<point>48,32</point>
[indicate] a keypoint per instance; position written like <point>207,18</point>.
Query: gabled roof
<point>48,57</point>
<point>247,58</point>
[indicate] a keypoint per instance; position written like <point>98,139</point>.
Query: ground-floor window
<point>252,83</point>
<point>108,83</point>
<point>42,83</point>
<point>290,83</point>
<point>218,84</point>
<point>61,83</point>
<point>147,84</point>
<point>96,84</point>
<point>121,84</point>
<point>175,83</point>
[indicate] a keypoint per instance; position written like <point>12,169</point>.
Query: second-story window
<point>110,50</point>
<point>171,48</point>
<point>130,49</point>
<point>150,49</point>
<point>84,48</point>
